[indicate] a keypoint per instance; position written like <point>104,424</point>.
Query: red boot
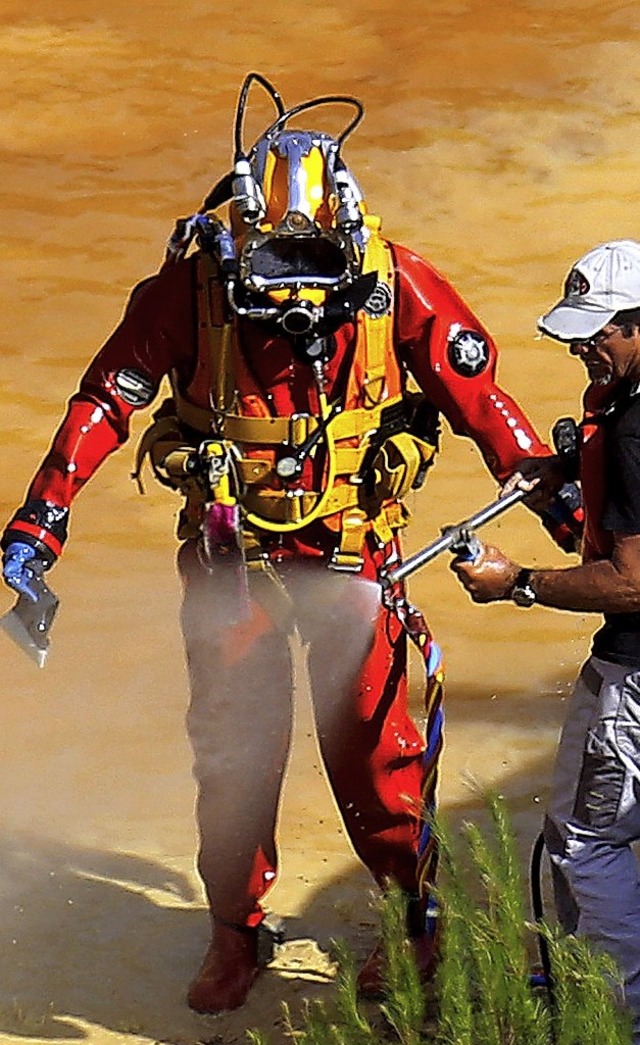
<point>371,980</point>
<point>228,970</point>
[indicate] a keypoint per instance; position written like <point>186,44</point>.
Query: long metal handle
<point>451,536</point>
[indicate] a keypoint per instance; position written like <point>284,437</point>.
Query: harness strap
<point>392,518</point>
<point>220,333</point>
<point>280,506</point>
<point>196,417</point>
<point>163,428</point>
<point>376,331</point>
<point>348,555</point>
<point>263,431</point>
<point>276,506</point>
<point>294,430</point>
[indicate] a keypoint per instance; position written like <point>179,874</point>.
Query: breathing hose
<point>318,509</point>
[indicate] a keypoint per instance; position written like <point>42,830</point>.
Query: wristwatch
<point>522,592</point>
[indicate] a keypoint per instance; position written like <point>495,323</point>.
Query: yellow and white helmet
<point>293,253</point>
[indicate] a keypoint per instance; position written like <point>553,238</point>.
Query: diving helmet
<point>291,252</point>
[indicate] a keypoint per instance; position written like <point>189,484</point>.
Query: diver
<point>310,359</point>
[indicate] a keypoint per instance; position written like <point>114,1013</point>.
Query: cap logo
<point>576,285</point>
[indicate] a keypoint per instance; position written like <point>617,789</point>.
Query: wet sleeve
<point>154,336</point>
<point>453,358</point>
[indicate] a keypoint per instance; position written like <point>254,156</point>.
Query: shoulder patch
<point>133,386</point>
<point>379,301</point>
<point>468,352</point>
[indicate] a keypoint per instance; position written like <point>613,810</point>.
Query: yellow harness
<point>348,435</point>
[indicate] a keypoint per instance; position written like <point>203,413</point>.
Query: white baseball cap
<point>603,282</point>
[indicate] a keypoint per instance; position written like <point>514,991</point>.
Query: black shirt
<point>619,639</point>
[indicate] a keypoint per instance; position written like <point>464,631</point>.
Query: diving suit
<point>309,360</point>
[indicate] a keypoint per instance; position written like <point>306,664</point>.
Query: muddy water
<point>499,140</point>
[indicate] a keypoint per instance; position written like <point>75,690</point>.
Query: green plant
<point>482,990</point>
<point>482,979</point>
<point>484,946</point>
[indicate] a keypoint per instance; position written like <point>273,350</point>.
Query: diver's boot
<point>371,981</point>
<point>228,970</point>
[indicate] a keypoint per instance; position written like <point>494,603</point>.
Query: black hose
<point>538,913</point>
<point>242,105</point>
<point>327,99</point>
<point>222,191</point>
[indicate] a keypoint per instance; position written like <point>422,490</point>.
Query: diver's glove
<point>563,518</point>
<point>21,567</point>
<point>41,525</point>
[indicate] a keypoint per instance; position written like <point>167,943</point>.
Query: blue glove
<point>21,566</point>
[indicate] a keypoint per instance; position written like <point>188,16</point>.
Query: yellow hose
<point>318,510</point>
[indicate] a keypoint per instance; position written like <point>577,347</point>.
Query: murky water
<point>499,140</point>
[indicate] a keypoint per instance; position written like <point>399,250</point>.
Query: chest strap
<point>375,331</point>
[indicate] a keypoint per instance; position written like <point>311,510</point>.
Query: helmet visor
<point>272,262</point>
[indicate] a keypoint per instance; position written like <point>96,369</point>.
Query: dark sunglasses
<point>593,342</point>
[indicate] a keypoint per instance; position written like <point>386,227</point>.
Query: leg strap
<point>236,926</point>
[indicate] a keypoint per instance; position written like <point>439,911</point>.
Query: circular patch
<point>576,284</point>
<point>134,387</point>
<point>468,353</point>
<point>379,301</point>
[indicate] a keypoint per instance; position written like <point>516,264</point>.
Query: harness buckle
<point>347,556</point>
<point>345,562</point>
<point>299,428</point>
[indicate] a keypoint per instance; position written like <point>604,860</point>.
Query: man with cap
<point>594,808</point>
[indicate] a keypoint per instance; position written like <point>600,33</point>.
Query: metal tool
<point>458,539</point>
<point>29,622</point>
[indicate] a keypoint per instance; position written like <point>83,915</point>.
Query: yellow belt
<point>270,431</point>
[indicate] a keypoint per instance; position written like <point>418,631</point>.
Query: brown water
<point>499,140</point>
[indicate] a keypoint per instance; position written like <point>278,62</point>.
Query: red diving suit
<point>381,769</point>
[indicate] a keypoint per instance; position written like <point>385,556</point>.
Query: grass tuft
<point>482,988</point>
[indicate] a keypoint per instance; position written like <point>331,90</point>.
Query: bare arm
<point>605,586</point>
<point>602,587</point>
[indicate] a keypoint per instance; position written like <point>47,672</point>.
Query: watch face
<point>523,595</point>
<point>522,592</point>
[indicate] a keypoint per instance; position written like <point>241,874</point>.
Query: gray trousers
<point>594,816</point>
